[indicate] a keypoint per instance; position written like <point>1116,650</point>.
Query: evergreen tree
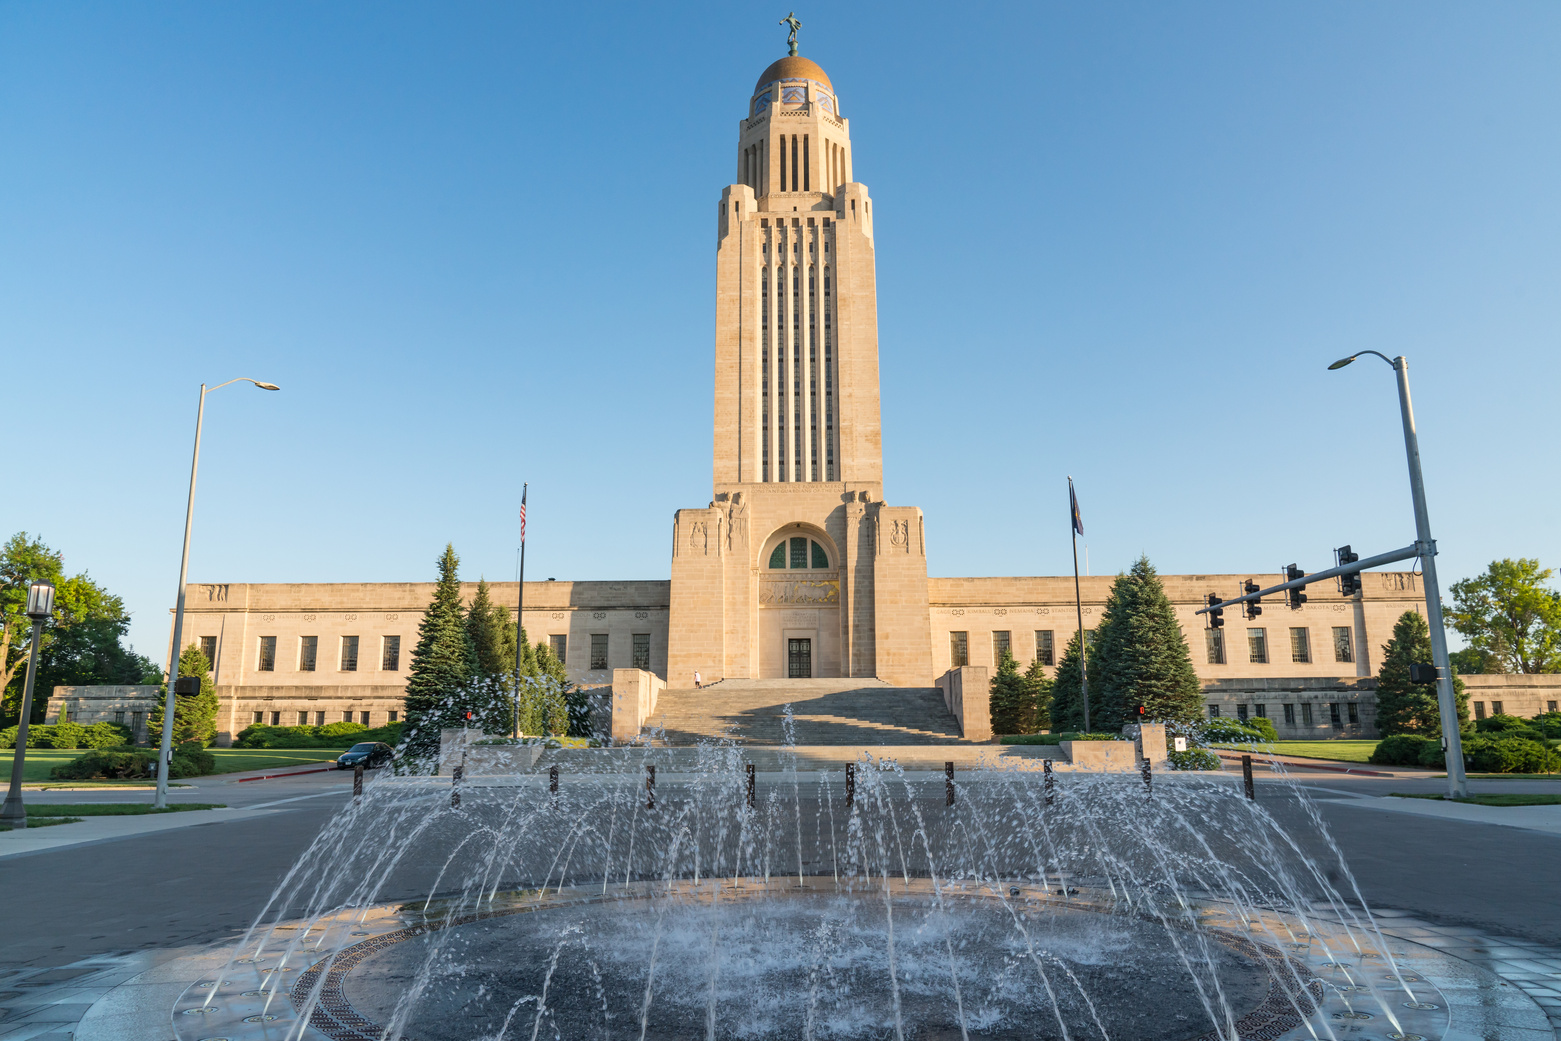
<point>1011,704</point>
<point>1067,704</point>
<point>1140,656</point>
<point>442,665</point>
<point>550,689</point>
<point>1038,690</point>
<point>1404,707</point>
<point>491,687</point>
<point>194,715</point>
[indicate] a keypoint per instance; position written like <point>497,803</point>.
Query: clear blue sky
<point>474,243</point>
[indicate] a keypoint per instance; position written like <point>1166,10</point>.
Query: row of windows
<point>303,717</point>
<point>798,557</point>
<point>308,653</point>
<point>639,650</point>
<point>1300,645</point>
<point>1337,711</point>
<point>1498,708</point>
<point>1003,643</point>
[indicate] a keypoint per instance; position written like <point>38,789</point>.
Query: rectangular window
<point>346,717</point>
<point>642,651</point>
<point>1241,713</point>
<point>1550,706</point>
<point>1289,715</point>
<point>394,715</point>
<point>560,644</point>
<point>1261,710</point>
<point>267,658</point>
<point>349,655</point>
<point>1257,646</point>
<point>390,653</point>
<point>1214,639</point>
<point>1214,712</point>
<point>119,716</point>
<point>1496,708</point>
<point>1333,714</point>
<point>1306,714</point>
<point>959,650</point>
<point>303,719</point>
<point>259,716</point>
<point>135,722</point>
<point>1300,645</point>
<point>363,717</point>
<point>1002,643</point>
<point>276,719</point>
<point>308,651</point>
<point>1343,645</point>
<point>1354,713</point>
<point>1045,647</point>
<point>598,650</point>
<point>209,648</point>
<point>319,718</point>
<point>1479,710</point>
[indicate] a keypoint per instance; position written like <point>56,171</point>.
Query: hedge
<point>1502,754</point>
<point>1195,759</point>
<point>331,735</point>
<point>125,763</point>
<point>1236,731</point>
<point>69,735</point>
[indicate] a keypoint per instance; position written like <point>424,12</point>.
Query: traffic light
<point>1425,675</point>
<point>1253,608</point>
<point>186,685</point>
<point>1216,613</point>
<point>1349,584</point>
<point>1297,598</point>
<point>1138,714</point>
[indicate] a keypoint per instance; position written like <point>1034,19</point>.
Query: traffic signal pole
<point>1407,553</point>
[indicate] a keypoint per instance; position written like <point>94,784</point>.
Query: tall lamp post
<point>161,798</point>
<point>1447,704</point>
<point>40,606</point>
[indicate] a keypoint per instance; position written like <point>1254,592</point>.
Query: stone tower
<point>797,567</point>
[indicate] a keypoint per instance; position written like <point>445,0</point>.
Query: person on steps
<point>697,684</point>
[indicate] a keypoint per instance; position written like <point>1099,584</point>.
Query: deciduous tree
<point>1510,616</point>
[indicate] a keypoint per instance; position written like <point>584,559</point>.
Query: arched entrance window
<point>798,552</point>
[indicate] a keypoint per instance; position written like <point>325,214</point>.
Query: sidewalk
<point>1546,819</point>
<point>1261,759</point>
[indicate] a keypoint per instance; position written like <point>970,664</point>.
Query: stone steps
<point>851,712</point>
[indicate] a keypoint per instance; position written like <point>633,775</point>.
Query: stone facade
<point>797,566</point>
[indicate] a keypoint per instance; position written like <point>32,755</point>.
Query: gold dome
<point>793,68</point>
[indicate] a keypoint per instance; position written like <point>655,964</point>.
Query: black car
<point>367,754</point>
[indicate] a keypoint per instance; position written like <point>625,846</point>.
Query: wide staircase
<point>855,712</point>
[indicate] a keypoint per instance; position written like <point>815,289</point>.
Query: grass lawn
<point>72,813</point>
<point>1340,751</point>
<point>1514,799</point>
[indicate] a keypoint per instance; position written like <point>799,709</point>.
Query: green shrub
<point>1234,731</point>
<point>1549,724</point>
<point>1195,759</point>
<point>332,735</point>
<point>195,751</point>
<point>105,735</point>
<point>60,735</point>
<point>1508,726</point>
<point>1069,735</point>
<point>1030,739</point>
<point>1403,750</point>
<point>134,764</point>
<point>1510,755</point>
<point>1431,753</point>
<point>1264,727</point>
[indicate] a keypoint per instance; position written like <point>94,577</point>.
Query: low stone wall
<point>462,747</point>
<point>1114,756</point>
<point>968,694</point>
<point>634,694</point>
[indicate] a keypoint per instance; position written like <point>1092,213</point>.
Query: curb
<point>294,773</point>
<point>1235,757</point>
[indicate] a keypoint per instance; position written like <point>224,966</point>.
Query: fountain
<point>660,893</point>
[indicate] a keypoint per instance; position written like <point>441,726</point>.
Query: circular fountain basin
<point>757,961</point>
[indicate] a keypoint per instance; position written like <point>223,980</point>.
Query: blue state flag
<point>1073,506</point>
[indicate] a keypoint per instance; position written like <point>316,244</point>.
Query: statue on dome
<point>791,37</point>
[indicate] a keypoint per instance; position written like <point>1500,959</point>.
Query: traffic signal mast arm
<point>1407,553</point>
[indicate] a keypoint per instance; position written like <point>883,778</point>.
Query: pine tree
<point>1404,707</point>
<point>442,665</point>
<point>491,687</point>
<point>1011,704</point>
<point>550,691</point>
<point>194,715</point>
<point>1067,705</point>
<point>1038,689</point>
<point>1140,656</point>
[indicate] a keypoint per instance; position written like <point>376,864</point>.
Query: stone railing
<point>967,693</point>
<point>634,694</point>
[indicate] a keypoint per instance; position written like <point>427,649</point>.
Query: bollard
<point>455,785</point>
<point>1246,776</point>
<point>948,784</point>
<point>357,780</point>
<point>650,786</point>
<point>850,784</point>
<point>1144,768</point>
<point>1046,767</point>
<point>552,779</point>
<point>750,786</point>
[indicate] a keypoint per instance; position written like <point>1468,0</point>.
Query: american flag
<point>523,513</point>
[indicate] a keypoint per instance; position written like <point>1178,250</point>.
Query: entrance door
<point>799,659</point>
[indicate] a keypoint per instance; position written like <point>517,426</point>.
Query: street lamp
<point>40,607</point>
<point>1457,783</point>
<point>161,798</point>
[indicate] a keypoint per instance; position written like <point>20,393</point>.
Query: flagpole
<point>520,603</point>
<point>1078,600</point>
